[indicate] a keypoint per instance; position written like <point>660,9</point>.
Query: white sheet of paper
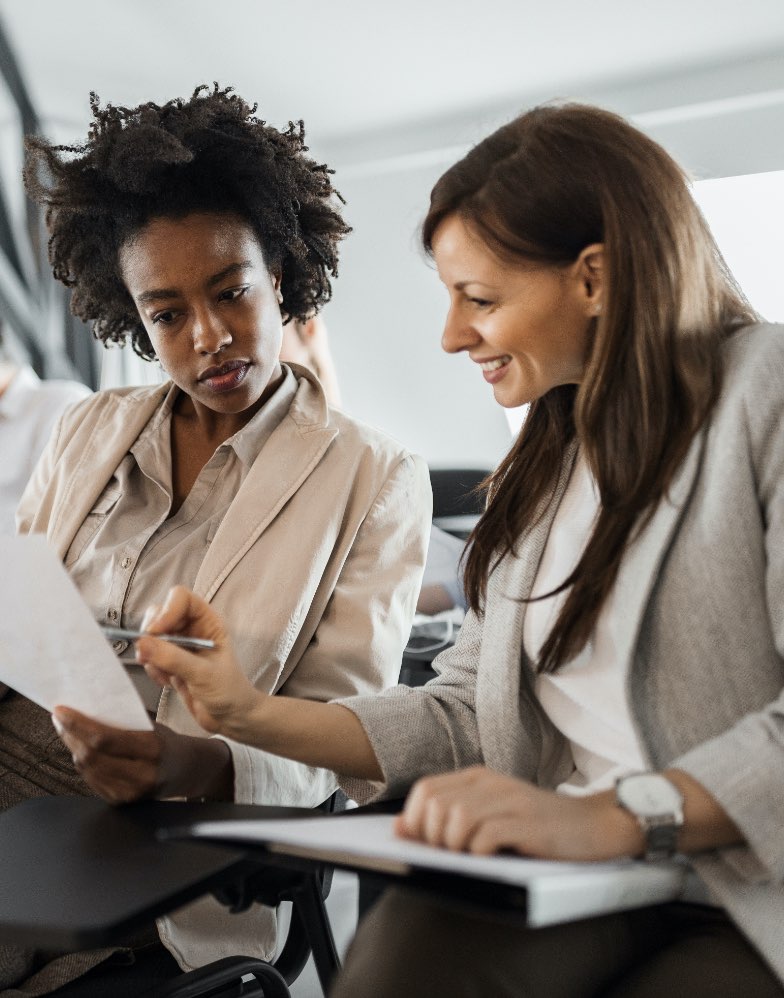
<point>51,649</point>
<point>557,892</point>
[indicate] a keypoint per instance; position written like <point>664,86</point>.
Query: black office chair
<point>309,933</point>
<point>456,503</point>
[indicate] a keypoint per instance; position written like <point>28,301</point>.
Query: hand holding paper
<point>51,649</point>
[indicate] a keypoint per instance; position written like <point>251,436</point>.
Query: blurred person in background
<point>29,408</point>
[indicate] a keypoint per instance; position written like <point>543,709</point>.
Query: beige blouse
<point>129,551</point>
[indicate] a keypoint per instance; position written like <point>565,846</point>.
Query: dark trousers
<point>411,945</point>
<point>124,975</point>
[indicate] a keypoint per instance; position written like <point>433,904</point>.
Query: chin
<point>513,400</point>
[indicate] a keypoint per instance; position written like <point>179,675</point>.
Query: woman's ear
<point>277,278</point>
<point>590,273</point>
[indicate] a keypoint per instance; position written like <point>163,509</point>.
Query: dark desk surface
<point>76,873</point>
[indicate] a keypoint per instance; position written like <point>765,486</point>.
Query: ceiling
<point>353,65</point>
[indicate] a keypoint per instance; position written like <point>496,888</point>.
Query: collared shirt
<point>29,409</point>
<point>130,551</point>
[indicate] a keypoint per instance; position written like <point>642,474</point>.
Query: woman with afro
<point>194,231</point>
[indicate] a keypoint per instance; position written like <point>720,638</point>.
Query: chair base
<point>223,979</point>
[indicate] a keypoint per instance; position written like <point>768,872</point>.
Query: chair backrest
<point>309,933</point>
<point>453,491</point>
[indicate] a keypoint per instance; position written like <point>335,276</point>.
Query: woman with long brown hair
<point>616,689</point>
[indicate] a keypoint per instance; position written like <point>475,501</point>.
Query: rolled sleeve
<point>420,731</point>
<point>744,770</point>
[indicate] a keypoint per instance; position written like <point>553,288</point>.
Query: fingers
<point>164,659</point>
<point>185,612</point>
<point>119,765</point>
<point>444,810</point>
<point>87,737</point>
<point>473,810</point>
<point>494,835</point>
<point>152,611</point>
<point>158,676</point>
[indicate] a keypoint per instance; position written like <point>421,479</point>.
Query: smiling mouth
<point>493,365</point>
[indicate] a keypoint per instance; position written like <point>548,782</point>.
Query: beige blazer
<point>316,568</point>
<point>701,624</point>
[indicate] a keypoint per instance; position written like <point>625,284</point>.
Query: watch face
<point>649,795</point>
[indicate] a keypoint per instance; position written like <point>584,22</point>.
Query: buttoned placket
<point>162,525</point>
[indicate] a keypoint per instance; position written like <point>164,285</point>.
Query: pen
<point>125,634</point>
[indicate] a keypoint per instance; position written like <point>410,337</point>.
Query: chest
<point>190,451</point>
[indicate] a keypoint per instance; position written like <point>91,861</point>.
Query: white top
<point>29,409</point>
<point>586,698</point>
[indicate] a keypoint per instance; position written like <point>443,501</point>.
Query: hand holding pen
<point>128,634</point>
<point>211,683</point>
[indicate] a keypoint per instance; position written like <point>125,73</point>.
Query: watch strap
<point>661,841</point>
<point>660,830</point>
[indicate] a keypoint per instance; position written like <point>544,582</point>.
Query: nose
<point>210,334</point>
<point>458,334</point>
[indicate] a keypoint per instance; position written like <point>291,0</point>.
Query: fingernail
<point>57,725</point>
<point>150,614</point>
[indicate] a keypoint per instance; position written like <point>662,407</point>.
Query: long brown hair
<point>543,187</point>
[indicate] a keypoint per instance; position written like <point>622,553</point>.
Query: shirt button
<point>112,615</point>
<point>125,563</point>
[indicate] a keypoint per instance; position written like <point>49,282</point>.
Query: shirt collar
<point>247,442</point>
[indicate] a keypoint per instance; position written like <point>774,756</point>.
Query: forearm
<point>199,768</point>
<point>318,734</point>
<point>705,823</point>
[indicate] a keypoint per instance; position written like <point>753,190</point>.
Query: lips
<point>494,368</point>
<point>226,376</point>
<point>494,363</point>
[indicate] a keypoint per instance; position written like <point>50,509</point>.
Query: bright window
<point>746,215</point>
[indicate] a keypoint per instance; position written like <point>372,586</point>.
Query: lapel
<point>507,723</point>
<point>120,421</point>
<point>640,565</point>
<point>510,732</point>
<point>292,452</point>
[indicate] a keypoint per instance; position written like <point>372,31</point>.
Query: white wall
<point>387,313</point>
<point>385,323</point>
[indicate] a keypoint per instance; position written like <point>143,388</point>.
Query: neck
<point>216,427</point>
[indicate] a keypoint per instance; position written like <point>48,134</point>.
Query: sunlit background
<point>391,94</point>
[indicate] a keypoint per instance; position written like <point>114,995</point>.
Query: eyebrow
<point>163,294</point>
<point>461,285</point>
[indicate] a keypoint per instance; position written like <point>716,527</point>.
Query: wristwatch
<point>657,805</point>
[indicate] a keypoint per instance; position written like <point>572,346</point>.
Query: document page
<point>51,649</point>
<point>557,891</point>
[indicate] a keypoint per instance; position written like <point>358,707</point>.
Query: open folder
<point>547,892</point>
